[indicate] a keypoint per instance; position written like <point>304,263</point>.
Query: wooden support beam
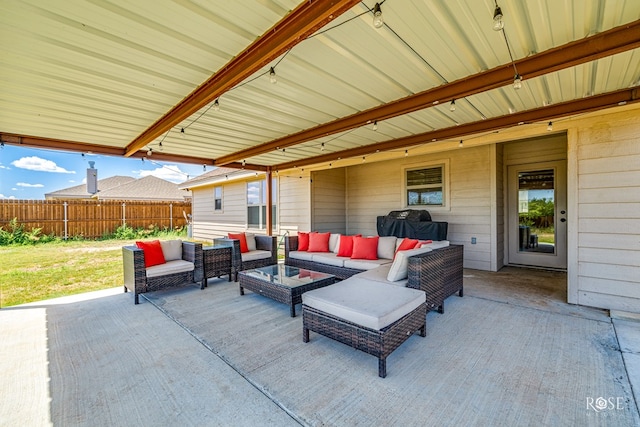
<point>582,105</point>
<point>615,40</point>
<point>303,21</point>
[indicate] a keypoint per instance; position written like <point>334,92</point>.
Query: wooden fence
<point>91,218</point>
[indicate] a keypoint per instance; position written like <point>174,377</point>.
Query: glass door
<point>537,214</point>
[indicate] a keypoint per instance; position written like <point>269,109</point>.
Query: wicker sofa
<point>437,272</point>
<point>175,272</point>
<point>265,253</point>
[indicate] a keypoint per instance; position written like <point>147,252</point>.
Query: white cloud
<point>2,196</point>
<point>24,184</point>
<point>72,181</point>
<point>4,167</point>
<point>34,163</point>
<point>169,172</point>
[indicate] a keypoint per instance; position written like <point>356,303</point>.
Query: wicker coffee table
<point>283,283</point>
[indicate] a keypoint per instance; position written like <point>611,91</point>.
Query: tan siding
<point>608,181</point>
<point>540,149</point>
<point>294,203</point>
<point>328,200</point>
<point>377,188</point>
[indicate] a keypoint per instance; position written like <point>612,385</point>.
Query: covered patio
<point>510,352</point>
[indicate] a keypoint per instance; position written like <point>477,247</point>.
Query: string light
<point>363,159</point>
<point>461,144</point>
<point>204,168</point>
<point>498,23</point>
<point>452,107</point>
<point>375,125</point>
<point>160,147</point>
<point>517,81</point>
<point>550,127</point>
<point>244,162</point>
<point>216,105</point>
<point>272,76</point>
<point>378,20</point>
<point>406,153</point>
<point>322,147</point>
<point>182,133</point>
<point>150,152</point>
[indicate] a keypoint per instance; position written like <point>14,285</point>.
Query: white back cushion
<point>251,241</point>
<point>400,266</point>
<point>334,242</point>
<point>387,247</point>
<point>171,249</point>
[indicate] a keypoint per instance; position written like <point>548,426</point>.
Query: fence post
<point>66,221</point>
<point>171,216</point>
<point>124,214</point>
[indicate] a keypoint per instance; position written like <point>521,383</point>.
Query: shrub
<point>15,234</point>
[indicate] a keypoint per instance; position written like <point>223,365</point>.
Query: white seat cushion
<point>171,249</point>
<point>437,244</point>
<point>373,305</point>
<point>400,266</point>
<point>328,258</point>
<point>365,264</point>
<point>380,275</point>
<point>302,255</point>
<point>170,267</point>
<point>254,255</point>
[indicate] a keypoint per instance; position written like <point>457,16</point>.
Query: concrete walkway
<point>508,353</point>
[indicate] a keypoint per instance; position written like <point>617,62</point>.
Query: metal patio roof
<point>124,77</point>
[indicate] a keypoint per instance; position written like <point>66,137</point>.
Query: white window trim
<point>446,186</point>
<point>277,203</point>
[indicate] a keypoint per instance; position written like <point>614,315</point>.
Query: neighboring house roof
<point>126,188</point>
<point>80,191</point>
<point>218,175</point>
<point>147,188</point>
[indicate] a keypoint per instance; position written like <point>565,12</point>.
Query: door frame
<point>559,259</point>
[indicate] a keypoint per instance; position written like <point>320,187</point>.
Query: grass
<point>50,270</point>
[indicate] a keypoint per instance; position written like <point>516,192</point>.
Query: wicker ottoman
<point>369,316</point>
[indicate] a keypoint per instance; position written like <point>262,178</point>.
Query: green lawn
<point>34,273</point>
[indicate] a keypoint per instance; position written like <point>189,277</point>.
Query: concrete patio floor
<point>510,352</point>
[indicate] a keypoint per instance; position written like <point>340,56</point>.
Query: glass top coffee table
<point>283,283</point>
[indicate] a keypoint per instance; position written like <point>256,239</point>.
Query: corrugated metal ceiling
<point>99,72</point>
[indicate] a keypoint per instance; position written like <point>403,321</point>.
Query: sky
<point>29,173</point>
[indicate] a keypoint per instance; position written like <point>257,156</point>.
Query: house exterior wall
<point>606,153</point>
<point>377,188</point>
<point>209,224</point>
<point>328,200</point>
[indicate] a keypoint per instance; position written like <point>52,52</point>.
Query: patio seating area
<point>510,352</point>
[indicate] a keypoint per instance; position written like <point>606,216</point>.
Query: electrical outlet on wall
<point>473,240</point>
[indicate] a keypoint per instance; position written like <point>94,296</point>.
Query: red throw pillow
<point>153,254</point>
<point>346,245</point>
<point>407,244</point>
<point>422,242</point>
<point>365,248</point>
<point>319,242</point>
<point>243,241</point>
<point>303,241</point>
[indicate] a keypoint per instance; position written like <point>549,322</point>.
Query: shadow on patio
<point>510,352</point>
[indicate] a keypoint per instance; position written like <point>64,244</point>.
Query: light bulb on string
<point>216,105</point>
<point>461,144</point>
<point>498,23</point>
<point>160,147</point>
<point>272,76</point>
<point>378,20</point>
<point>150,152</point>
<point>452,107</point>
<point>406,153</point>
<point>517,81</point>
<point>322,147</point>
<point>550,127</point>
<point>182,133</point>
<point>375,125</point>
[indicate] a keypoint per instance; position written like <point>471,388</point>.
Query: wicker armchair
<point>135,274</point>
<point>263,243</point>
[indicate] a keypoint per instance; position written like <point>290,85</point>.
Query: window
<point>425,186</point>
<point>257,206</point>
<point>217,198</point>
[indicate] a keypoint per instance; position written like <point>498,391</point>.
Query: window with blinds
<point>425,186</point>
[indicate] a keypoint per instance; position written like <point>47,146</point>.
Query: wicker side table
<point>217,261</point>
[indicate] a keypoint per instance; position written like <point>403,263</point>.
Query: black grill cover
<point>410,215</point>
<point>424,230</point>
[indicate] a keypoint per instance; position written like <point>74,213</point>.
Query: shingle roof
<point>126,188</point>
<point>147,188</point>
<point>80,191</point>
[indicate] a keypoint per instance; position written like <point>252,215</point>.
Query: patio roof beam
<point>303,21</point>
<point>613,41</point>
<point>82,147</point>
<point>583,105</point>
